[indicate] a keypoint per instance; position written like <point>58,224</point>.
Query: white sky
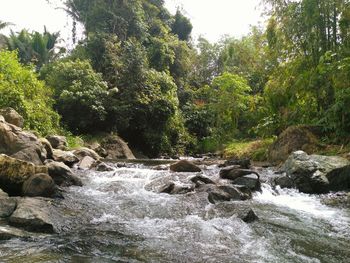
<point>210,18</point>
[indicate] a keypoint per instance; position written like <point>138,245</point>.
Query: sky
<point>210,18</point>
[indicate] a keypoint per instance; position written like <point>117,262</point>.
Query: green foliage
<point>21,90</point>
<point>79,94</point>
<point>35,48</point>
<point>181,26</point>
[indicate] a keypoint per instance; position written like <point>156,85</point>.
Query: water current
<point>114,218</point>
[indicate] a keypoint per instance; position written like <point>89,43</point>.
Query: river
<point>113,218</point>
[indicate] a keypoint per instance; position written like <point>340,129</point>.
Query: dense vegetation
<point>138,72</point>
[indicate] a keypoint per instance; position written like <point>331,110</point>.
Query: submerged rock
<point>8,232</point>
<point>184,166</point>
<point>7,206</point>
<point>176,188</point>
<point>34,215</point>
<point>317,173</point>
<point>103,167</point>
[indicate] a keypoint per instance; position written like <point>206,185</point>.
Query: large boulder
<point>116,148</point>
<point>86,163</point>
<point>35,215</point>
<point>14,172</point>
<point>20,144</point>
<point>65,157</point>
<point>62,174</point>
<point>294,138</point>
<point>96,147</point>
<point>317,173</point>
<point>58,142</point>
<point>184,166</point>
<point>11,116</point>
<point>39,185</point>
<point>47,146</point>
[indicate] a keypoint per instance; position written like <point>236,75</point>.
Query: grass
<point>255,150</point>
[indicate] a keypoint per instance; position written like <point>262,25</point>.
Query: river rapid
<point>113,218</point>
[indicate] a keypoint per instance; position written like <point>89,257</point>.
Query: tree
<point>21,90</point>
<point>80,94</point>
<point>35,48</point>
<point>181,26</point>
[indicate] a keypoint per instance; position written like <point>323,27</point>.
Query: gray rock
<point>20,144</point>
<point>39,185</point>
<point>58,142</point>
<point>176,188</point>
<point>228,193</point>
<point>2,119</point>
<point>86,163</point>
<point>317,173</point>
<point>7,206</point>
<point>184,166</point>
<point>67,158</point>
<point>103,167</point>
<point>232,173</point>
<point>8,232</point>
<point>250,181</point>
<point>284,181</point>
<point>98,149</point>
<point>47,146</point>
<point>34,215</point>
<point>83,152</point>
<point>11,116</point>
<point>62,174</point>
<point>199,180</point>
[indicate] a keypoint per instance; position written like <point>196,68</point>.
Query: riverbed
<point>113,218</point>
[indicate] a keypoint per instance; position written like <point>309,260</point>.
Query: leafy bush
<point>80,94</point>
<point>21,90</point>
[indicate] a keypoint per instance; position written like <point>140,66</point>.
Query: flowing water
<point>113,218</point>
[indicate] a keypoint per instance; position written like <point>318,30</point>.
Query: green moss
<point>255,150</point>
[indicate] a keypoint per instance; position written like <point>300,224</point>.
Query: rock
<point>247,216</point>
<point>7,206</point>
<point>242,163</point>
<point>228,193</point>
<point>98,149</point>
<point>2,119</point>
<point>199,180</point>
<point>58,142</point>
<point>62,174</point>
<point>20,144</point>
<point>86,163</point>
<point>47,146</point>
<point>11,116</point>
<point>284,181</point>
<point>250,181</point>
<point>232,173</point>
<point>8,232</point>
<point>34,215</point>
<point>293,139</point>
<point>317,173</point>
<point>3,194</point>
<point>185,167</point>
<point>175,188</point>
<point>67,158</point>
<point>13,173</point>
<point>39,185</point>
<point>103,167</point>
<point>83,152</point>
<point>116,148</point>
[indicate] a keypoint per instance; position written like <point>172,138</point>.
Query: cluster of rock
<point>234,183</point>
<point>39,167</point>
<point>315,174</point>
